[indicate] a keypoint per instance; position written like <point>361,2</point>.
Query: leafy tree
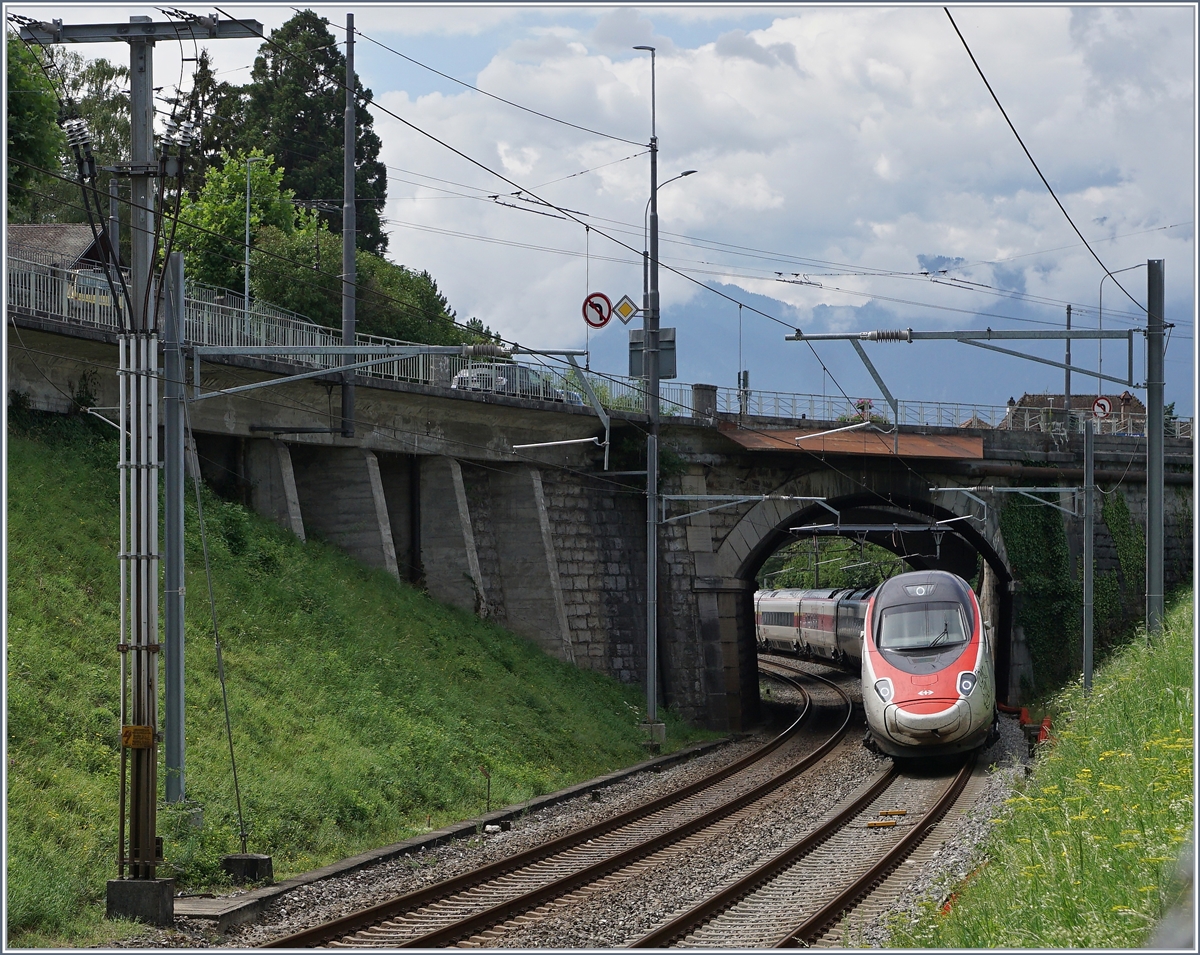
<point>34,136</point>
<point>294,110</point>
<point>218,109</point>
<point>97,92</point>
<point>212,227</point>
<point>426,315</point>
<point>299,270</point>
<point>843,564</point>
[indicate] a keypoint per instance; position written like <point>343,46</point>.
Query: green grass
<point>1084,855</point>
<point>362,710</point>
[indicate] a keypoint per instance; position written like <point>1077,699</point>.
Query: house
<point>59,245</point>
<point>1045,412</point>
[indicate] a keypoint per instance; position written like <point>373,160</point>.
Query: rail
<point>425,918</point>
<point>216,316</point>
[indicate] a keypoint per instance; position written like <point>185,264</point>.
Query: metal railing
<point>940,414</point>
<point>216,316</point>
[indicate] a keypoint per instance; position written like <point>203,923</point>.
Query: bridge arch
<point>972,540</point>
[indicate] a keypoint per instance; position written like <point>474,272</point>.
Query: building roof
<point>1125,402</point>
<point>63,244</point>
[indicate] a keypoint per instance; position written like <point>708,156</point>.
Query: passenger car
<point>512,379</point>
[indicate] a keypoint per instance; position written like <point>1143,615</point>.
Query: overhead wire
<point>723,269</point>
<point>630,248</point>
<point>408,306</point>
<point>508,102</point>
<point>568,214</point>
<point>1032,161</point>
<point>870,271</point>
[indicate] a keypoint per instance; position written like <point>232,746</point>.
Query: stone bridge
<point>548,544</point>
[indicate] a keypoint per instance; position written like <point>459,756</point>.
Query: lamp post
<point>246,298</point>
<point>645,243</point>
<point>650,369</point>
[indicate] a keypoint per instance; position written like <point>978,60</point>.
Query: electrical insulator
<point>77,133</point>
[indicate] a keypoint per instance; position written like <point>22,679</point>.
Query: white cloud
<point>831,140</point>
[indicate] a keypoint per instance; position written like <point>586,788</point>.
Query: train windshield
<point>921,626</point>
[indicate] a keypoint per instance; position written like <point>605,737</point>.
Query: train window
<point>921,626</point>
<point>778,618</point>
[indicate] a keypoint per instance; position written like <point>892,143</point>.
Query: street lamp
<point>246,298</point>
<point>645,231</point>
<point>650,317</point>
<point>646,254</point>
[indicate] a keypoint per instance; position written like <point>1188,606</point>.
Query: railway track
<point>475,906</point>
<point>800,894</point>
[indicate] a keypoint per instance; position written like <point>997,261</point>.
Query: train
<point>919,641</point>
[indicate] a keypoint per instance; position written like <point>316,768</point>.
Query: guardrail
<point>215,316</point>
<point>939,414</point>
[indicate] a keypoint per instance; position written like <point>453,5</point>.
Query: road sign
<point>625,309</point>
<point>1102,407</point>
<point>597,309</point>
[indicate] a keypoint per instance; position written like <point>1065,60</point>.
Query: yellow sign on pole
<point>625,309</point>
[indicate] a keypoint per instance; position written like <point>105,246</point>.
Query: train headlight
<point>884,689</point>
<point>966,683</point>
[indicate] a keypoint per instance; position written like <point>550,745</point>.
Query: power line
<point>501,99</point>
<point>698,242</point>
<point>1034,163</point>
<point>412,309</point>
<point>475,162</point>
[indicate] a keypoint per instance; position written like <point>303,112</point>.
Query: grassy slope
<point>362,711</point>
<point>1084,856</point>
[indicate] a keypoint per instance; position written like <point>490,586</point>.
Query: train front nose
<point>927,721</point>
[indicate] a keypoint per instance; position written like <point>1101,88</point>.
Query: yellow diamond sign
<point>625,309</point>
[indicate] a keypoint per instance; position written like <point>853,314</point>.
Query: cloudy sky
<point>853,172</point>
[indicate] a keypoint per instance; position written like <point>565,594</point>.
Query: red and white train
<point>928,672</point>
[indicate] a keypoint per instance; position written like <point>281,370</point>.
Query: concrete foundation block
<point>145,900</point>
<point>246,867</point>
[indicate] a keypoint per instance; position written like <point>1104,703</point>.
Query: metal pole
<point>138,464</point>
<point>246,296</point>
<point>114,220</point>
<point>141,251</point>
<point>1155,298</point>
<point>246,270</point>
<point>349,226</point>
<point>142,476</point>
<point>173,557</point>
<point>1067,392</point>
<point>652,386</point>
<point>650,367</point>
<point>651,579</point>
<point>1089,488</point>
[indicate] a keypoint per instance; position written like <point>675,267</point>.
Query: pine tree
<point>295,110</point>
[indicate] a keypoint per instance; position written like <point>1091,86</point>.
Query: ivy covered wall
<point>1048,566</point>
<point>1049,605</point>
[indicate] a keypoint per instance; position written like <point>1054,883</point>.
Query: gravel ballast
<point>624,909</point>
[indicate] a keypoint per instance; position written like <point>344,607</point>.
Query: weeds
<point>1085,853</point>
<point>361,709</point>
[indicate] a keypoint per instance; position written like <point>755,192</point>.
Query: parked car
<point>515,380</point>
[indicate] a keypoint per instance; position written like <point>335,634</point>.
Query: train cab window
<point>921,626</point>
